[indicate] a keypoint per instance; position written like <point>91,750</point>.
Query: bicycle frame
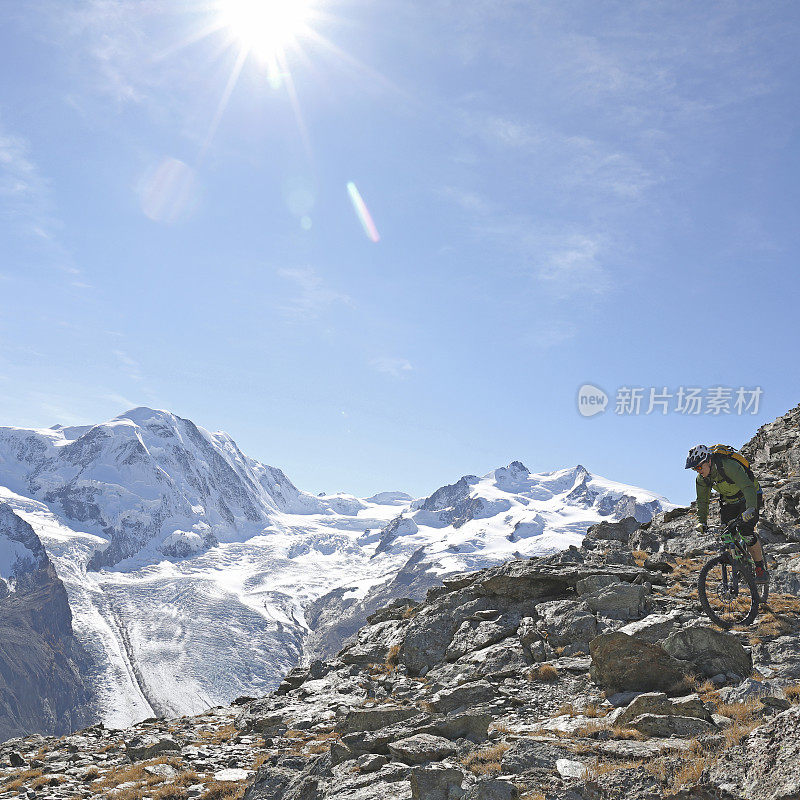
<point>732,544</point>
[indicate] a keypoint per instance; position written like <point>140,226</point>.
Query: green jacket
<point>729,491</point>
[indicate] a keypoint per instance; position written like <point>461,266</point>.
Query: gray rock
<point>615,531</point>
<point>141,748</point>
<point>622,663</point>
<point>565,621</point>
<point>664,726</point>
<point>373,719</point>
<point>527,754</point>
<point>492,789</point>
<point>465,695</point>
<point>371,762</point>
<point>750,687</point>
<point>594,583</point>
<point>421,748</point>
<point>654,628</point>
<point>619,601</point>
<point>710,651</point>
<point>763,766</point>
<point>436,782</point>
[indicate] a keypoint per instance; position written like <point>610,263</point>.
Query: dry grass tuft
<point>640,556</point>
<point>223,790</point>
<point>599,768</point>
<point>657,767</point>
<point>741,712</point>
<point>690,771</point>
<point>593,710</point>
<point>627,733</point>
<point>793,693</point>
<point>591,727</point>
<point>486,761</point>
<point>411,611</point>
<point>737,732</point>
<point>20,779</point>
<point>392,657</point>
<point>544,673</point>
<point>219,735</point>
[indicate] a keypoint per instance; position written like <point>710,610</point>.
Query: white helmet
<point>697,455</point>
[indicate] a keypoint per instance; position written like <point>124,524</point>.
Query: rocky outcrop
<point>41,664</point>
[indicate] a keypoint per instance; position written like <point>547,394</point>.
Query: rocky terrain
<point>587,674</point>
<point>196,574</point>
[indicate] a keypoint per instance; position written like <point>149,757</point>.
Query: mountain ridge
<point>193,571</point>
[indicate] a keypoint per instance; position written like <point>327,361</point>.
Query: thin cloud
<point>24,193</point>
<point>395,367</point>
<point>313,296</point>
<point>130,365</point>
<point>119,400</point>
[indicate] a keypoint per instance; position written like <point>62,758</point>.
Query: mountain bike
<point>727,586</point>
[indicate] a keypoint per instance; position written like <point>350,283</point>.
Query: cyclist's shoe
<point>762,576</point>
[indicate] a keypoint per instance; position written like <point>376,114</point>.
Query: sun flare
<point>265,27</point>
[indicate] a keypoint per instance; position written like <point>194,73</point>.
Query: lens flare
<point>362,212</point>
<point>169,192</point>
<point>265,27</point>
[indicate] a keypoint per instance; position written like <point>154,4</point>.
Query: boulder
<point>709,650</point>
<point>750,688</point>
<point>763,766</point>
<point>565,621</point>
<point>373,719</point>
<point>527,754</point>
<point>613,531</point>
<point>622,663</point>
<point>593,583</point>
<point>436,782</point>
<point>420,748</point>
<point>466,695</point>
<point>619,601</point>
<point>665,726</point>
<point>476,634</point>
<point>141,748</point>
<point>492,789</point>
<point>654,627</point>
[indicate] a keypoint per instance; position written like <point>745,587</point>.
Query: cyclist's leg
<point>729,511</point>
<point>748,531</point>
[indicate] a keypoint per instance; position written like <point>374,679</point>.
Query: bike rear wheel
<point>727,592</point>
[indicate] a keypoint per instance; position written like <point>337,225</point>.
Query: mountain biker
<point>738,495</point>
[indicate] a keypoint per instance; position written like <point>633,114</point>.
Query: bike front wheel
<point>727,592</point>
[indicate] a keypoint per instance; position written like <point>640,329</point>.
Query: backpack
<point>726,451</point>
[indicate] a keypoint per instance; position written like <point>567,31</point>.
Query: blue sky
<point>565,192</point>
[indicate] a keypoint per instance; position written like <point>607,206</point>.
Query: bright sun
<point>265,27</point>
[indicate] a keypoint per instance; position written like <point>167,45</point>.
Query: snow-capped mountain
<point>195,574</point>
<point>468,525</point>
<point>151,478</point>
